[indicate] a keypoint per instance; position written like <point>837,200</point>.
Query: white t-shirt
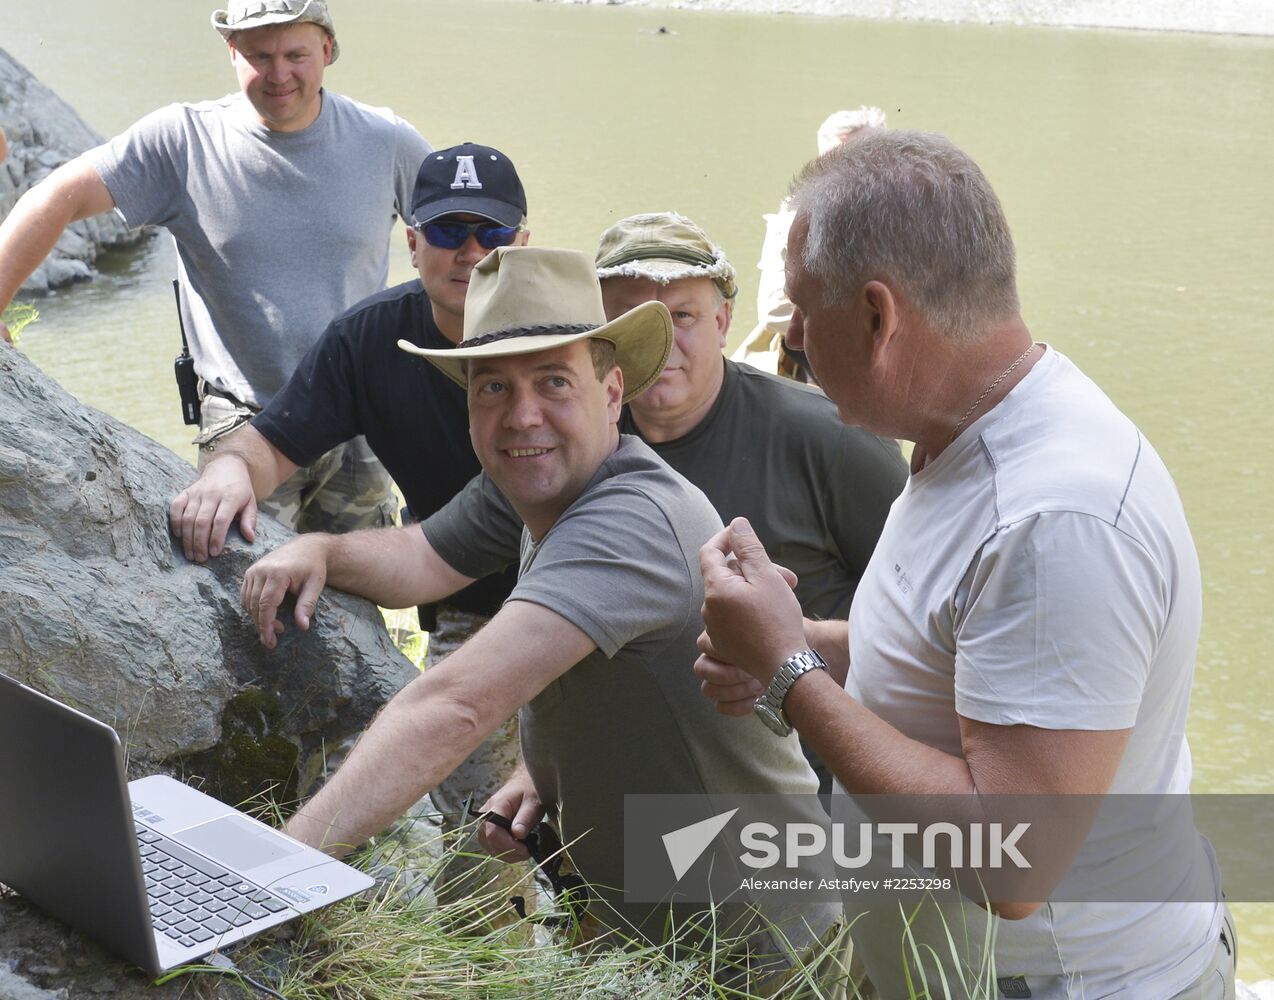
<point>1041,572</point>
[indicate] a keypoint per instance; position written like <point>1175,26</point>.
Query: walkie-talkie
<point>184,369</point>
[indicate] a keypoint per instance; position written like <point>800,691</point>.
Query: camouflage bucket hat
<point>663,247</point>
<point>244,15</point>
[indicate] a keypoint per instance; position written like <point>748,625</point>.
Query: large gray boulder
<point>44,132</point>
<point>100,607</point>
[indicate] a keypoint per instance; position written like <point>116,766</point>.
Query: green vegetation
<point>400,943</point>
<point>18,316</point>
<point>404,630</point>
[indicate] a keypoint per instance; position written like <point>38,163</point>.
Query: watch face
<point>773,721</point>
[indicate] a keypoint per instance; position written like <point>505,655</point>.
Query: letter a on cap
<point>466,174</point>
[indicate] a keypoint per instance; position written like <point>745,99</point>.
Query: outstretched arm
<point>246,469</point>
<point>437,720</point>
<point>72,192</point>
<point>395,567</point>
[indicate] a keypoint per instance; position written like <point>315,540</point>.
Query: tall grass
<point>17,316</point>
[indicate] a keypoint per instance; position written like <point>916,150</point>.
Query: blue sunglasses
<point>452,235</point>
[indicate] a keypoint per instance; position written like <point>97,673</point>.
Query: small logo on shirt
<point>902,579</point>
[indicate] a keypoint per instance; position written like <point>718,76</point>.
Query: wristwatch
<point>769,706</point>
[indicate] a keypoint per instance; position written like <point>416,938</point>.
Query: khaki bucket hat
<point>244,15</point>
<point>522,300</point>
<point>663,247</point>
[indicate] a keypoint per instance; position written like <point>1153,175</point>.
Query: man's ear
<point>411,244</point>
<point>883,315</point>
<point>724,315</point>
<point>614,393</point>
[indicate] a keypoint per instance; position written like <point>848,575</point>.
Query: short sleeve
<point>1060,616</point>
<point>411,151</point>
<point>144,168</point>
<point>478,532</point>
<point>613,567</point>
<point>316,409</point>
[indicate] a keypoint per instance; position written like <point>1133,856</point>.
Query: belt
<point>211,390</point>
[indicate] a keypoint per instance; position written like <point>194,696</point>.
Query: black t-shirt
<point>356,380</point>
<point>817,492</point>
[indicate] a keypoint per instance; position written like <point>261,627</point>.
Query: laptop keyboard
<point>192,900</point>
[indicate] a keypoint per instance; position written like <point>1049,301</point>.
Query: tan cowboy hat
<point>527,299</point>
<point>244,15</point>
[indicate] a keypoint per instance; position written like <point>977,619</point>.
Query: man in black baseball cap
<point>467,200</point>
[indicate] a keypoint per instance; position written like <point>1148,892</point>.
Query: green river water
<point>1134,167</point>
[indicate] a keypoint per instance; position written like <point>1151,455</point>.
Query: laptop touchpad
<point>237,843</point>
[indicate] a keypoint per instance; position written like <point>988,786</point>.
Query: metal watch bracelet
<point>769,707</point>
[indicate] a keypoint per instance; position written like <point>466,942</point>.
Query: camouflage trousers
<point>476,779</point>
<point>344,490</point>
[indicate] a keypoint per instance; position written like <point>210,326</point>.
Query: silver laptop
<point>155,871</point>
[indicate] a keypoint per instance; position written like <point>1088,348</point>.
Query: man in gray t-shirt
<point>234,181</point>
<point>593,647</point>
<point>816,491</point>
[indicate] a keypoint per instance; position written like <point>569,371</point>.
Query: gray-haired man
<point>1029,622</point>
<point>237,181</point>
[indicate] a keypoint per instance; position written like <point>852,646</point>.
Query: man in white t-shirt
<point>1027,625</point>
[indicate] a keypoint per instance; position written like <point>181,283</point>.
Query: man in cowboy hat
<point>758,446</point>
<point>594,644</point>
<point>231,179</point>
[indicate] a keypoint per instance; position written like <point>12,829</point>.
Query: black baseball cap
<point>468,178</point>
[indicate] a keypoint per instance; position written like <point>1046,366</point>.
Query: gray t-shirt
<point>277,232</point>
<point>622,564</point>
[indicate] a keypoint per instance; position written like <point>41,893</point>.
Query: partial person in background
<point>281,199</point>
<point>764,347</point>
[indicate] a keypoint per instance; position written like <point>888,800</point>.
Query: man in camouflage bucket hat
<point>227,178</point>
<point>758,446</point>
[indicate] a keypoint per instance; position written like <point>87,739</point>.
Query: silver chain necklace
<point>987,391</point>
